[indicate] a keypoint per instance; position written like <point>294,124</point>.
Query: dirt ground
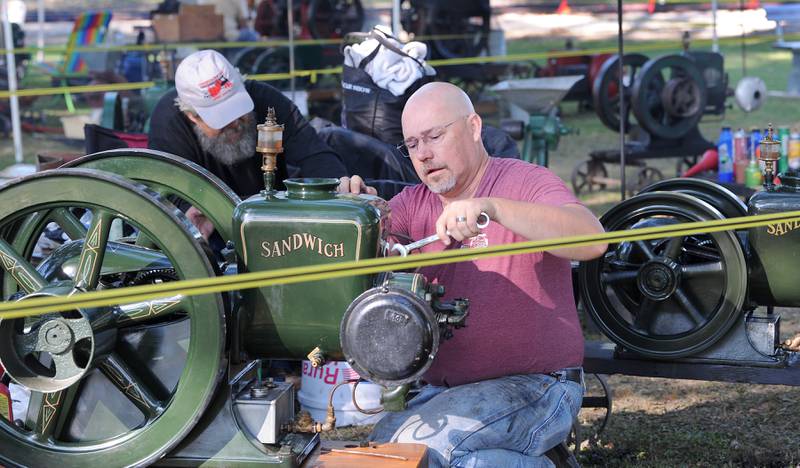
<point>666,422</point>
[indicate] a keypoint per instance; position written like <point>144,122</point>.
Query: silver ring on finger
<point>461,219</point>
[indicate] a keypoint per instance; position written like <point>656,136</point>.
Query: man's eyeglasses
<point>430,137</point>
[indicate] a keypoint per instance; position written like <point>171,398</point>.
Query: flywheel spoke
<point>44,412</point>
<point>147,310</point>
<point>70,223</point>
<point>674,247</point>
<point>23,273</point>
<point>702,269</point>
<point>123,377</point>
<point>94,247</point>
<point>646,249</point>
<point>645,315</point>
<point>620,276</point>
<point>688,306</point>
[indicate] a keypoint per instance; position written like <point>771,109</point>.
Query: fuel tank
<point>308,224</point>
<point>775,249</point>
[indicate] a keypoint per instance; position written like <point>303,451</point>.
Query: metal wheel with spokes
<point>330,19</point>
<point>169,176</point>
<point>588,176</point>
<point>119,384</point>
<point>606,97</point>
<point>670,297</point>
<point>668,98</point>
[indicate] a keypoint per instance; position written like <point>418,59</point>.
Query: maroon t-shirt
<point>522,316</point>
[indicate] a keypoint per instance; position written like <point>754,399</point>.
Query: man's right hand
<point>203,224</point>
<point>793,343</point>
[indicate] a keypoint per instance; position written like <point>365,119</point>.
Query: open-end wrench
<point>403,250</point>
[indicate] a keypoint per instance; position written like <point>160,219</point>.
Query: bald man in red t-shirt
<point>507,387</point>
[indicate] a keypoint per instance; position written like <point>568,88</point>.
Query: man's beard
<point>445,182</point>
<point>234,144</point>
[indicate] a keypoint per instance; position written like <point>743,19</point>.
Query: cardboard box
<point>193,23</point>
<point>166,28</point>
<point>200,27</point>
<point>197,10</point>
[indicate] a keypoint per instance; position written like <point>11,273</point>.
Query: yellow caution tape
<point>80,89</point>
<point>44,305</point>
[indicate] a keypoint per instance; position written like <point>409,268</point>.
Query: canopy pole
<point>622,110</point>
<point>40,35</point>
<point>11,69</point>
<point>396,27</point>
<point>714,38</point>
<point>290,15</point>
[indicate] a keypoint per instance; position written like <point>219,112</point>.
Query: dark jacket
<point>172,132</point>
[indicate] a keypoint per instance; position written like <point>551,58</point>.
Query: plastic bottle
<point>740,155</point>
<point>794,151</point>
<point>783,136</point>
<point>755,140</point>
<point>725,155</point>
<point>753,176</point>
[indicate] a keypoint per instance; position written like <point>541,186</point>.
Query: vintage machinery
<point>693,297</point>
<point>534,108</point>
<point>178,381</point>
<point>458,30</point>
<point>588,66</point>
<point>313,19</point>
<point>667,96</point>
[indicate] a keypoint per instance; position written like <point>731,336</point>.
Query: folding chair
<point>89,29</point>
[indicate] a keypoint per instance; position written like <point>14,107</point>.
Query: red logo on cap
<point>215,87</point>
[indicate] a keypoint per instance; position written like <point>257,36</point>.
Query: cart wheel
<point>583,176</point>
<point>646,176</point>
<point>597,396</point>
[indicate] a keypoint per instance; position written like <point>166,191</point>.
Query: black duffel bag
<point>372,110</point>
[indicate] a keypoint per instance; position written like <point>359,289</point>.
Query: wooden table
<point>344,454</point>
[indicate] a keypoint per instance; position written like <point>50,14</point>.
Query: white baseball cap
<point>208,82</point>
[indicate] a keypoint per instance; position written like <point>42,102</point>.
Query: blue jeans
<point>506,422</point>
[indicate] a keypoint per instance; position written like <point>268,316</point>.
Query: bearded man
<point>211,119</point>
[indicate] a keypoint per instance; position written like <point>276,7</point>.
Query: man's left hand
<point>459,219</point>
<point>355,185</point>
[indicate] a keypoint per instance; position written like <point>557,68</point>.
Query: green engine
<point>176,381</point>
<point>309,224</point>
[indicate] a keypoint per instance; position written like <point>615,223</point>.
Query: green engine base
<point>218,441</point>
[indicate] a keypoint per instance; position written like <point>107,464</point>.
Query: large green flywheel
<point>112,386</point>
<point>170,176</point>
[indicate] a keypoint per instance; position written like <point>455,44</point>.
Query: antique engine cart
<point>692,298</point>
<point>158,381</point>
